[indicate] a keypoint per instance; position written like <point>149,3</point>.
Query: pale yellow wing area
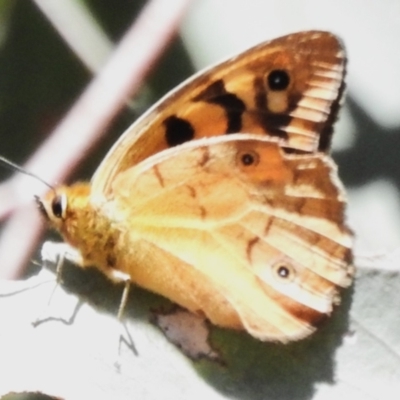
<point>238,229</point>
<point>289,88</point>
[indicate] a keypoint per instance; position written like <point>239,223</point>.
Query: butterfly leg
<point>124,335</point>
<point>119,276</point>
<point>59,254</point>
<point>52,252</point>
<point>56,254</point>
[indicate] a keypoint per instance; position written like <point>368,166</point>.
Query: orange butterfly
<point>222,197</point>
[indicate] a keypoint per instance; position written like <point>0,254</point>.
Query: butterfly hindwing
<point>243,217</point>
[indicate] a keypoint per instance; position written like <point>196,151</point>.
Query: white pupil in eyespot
<point>283,271</point>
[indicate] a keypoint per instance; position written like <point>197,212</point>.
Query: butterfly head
<point>70,211</point>
<point>53,206</point>
<point>63,206</point>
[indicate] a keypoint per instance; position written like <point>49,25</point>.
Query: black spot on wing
<point>275,124</point>
<point>278,80</point>
<point>272,123</point>
<point>233,106</point>
<point>177,131</point>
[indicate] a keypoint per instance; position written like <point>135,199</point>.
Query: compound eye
<point>59,206</point>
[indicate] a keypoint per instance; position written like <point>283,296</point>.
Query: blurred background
<point>42,76</point>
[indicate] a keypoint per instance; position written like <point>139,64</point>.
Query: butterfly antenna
<point>14,167</point>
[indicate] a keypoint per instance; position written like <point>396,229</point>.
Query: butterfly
<point>223,197</point>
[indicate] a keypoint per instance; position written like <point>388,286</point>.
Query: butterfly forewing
<point>289,88</point>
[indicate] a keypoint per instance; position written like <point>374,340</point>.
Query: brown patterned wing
<point>289,88</point>
<point>239,230</point>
